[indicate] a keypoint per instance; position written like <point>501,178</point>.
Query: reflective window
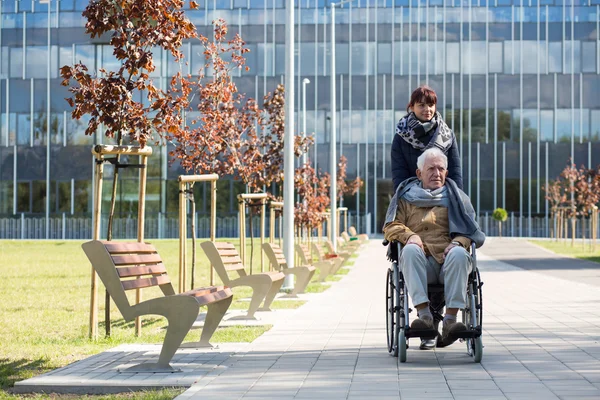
<point>595,125</point>
<point>384,58</point>
<point>572,56</point>
<point>341,58</point>
<point>474,57</point>
<point>198,59</point>
<point>555,57</point>
<point>512,57</point>
<point>37,59</point>
<point>80,5</point>
<point>65,5</point>
<point>109,61</point>
<point>496,57</point>
<point>582,124</point>
<point>530,125</point>
<point>547,125</point>
<point>564,129</point>
<point>84,54</point>
<point>363,58</point>
<point>588,52</point>
<point>452,58</point>
<point>9,129</point>
<point>265,57</point>
<point>4,62</point>
<point>23,129</point>
<point>16,62</point>
<point>530,60</point>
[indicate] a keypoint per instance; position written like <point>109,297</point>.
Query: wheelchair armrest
<point>393,251</point>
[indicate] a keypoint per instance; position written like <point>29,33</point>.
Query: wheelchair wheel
<point>477,349</point>
<point>391,321</point>
<point>402,346</point>
<point>472,317</point>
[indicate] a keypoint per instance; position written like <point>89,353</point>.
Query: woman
<point>422,128</point>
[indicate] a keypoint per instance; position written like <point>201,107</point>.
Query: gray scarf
<point>427,198</point>
<point>418,134</point>
<point>461,215</point>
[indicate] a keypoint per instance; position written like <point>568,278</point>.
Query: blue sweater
<point>404,161</point>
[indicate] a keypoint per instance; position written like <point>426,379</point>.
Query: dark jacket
<point>404,161</point>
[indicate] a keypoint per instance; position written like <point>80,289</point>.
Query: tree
<point>136,27</point>
<point>500,215</point>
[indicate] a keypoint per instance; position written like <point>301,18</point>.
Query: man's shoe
<point>424,322</point>
<point>428,344</point>
<point>450,331</point>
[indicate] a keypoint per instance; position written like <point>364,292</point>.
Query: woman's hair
<point>422,94</point>
<point>432,152</point>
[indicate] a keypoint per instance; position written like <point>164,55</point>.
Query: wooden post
<point>263,209</point>
<point>241,222</point>
<point>99,151</point>
<point>213,221</point>
<point>141,226</point>
<point>182,233</point>
<point>98,180</point>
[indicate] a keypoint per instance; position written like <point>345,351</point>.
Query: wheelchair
<point>397,319</point>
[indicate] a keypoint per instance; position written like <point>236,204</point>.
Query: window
<point>555,57</point>
<point>595,124</point>
<point>547,125</point>
<point>496,57</point>
<point>588,62</point>
<point>16,62</point>
<point>473,60</point>
<point>572,56</point>
<point>563,125</point>
<point>452,58</point>
<point>384,58</point>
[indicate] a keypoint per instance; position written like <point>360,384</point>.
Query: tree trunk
<point>111,214</point>
<point>500,228</point>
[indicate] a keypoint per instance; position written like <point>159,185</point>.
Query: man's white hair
<point>432,152</point>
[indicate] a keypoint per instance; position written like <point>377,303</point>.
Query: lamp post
<point>288,151</point>
<point>305,82</point>
<point>332,139</point>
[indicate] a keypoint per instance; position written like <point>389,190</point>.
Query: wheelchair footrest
<point>422,333</point>
<point>468,334</point>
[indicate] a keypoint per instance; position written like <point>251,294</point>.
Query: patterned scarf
<point>417,133</point>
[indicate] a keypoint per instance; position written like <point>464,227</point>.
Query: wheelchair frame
<point>397,321</point>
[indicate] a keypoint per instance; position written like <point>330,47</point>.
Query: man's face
<point>433,175</point>
<point>423,111</point>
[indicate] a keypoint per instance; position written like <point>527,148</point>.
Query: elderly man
<point>435,222</point>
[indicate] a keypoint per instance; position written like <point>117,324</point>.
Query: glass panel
<point>547,125</point>
<point>563,125</point>
<point>341,58</point>
<point>265,55</point>
<point>588,62</point>
<point>84,54</point>
<point>530,50</point>
<point>583,123</point>
<point>384,58</point>
<point>16,62</point>
<point>198,59</point>
<point>8,129</point>
<point>572,56</point>
<point>23,129</point>
<point>359,61</point>
<point>555,57</point>
<point>23,197</point>
<point>452,57</point>
<point>37,58</point>
<point>496,56</point>
<point>595,124</point>
<point>65,5</point>
<point>4,62</point>
<point>109,62</point>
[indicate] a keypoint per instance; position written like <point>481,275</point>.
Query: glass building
<point>517,80</point>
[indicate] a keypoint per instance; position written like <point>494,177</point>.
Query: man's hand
<point>447,250</point>
<point>415,239</point>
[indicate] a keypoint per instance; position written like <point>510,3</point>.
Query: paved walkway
<point>541,338</point>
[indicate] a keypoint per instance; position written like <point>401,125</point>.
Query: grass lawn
<point>577,251</point>
<point>44,297</point>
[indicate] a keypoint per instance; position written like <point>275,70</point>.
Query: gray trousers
<point>420,270</point>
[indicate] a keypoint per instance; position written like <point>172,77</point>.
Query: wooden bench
<point>336,259</point>
<point>326,266</point>
<point>124,266</point>
<point>265,285</point>
<point>303,273</point>
<point>342,253</point>
<point>348,243</point>
<point>363,237</point>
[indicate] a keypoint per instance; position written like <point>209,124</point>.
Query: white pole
<point>304,83</point>
<point>332,141</point>
<point>288,151</point>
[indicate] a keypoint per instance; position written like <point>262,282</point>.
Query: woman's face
<point>423,111</point>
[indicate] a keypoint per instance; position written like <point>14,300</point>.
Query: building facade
<point>517,80</point>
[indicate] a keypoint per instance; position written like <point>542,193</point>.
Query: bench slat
<point>228,253</point>
<point>129,247</point>
<point>234,267</point>
<point>136,259</point>
<point>224,245</point>
<point>125,272</point>
<point>145,282</point>
<point>231,260</point>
